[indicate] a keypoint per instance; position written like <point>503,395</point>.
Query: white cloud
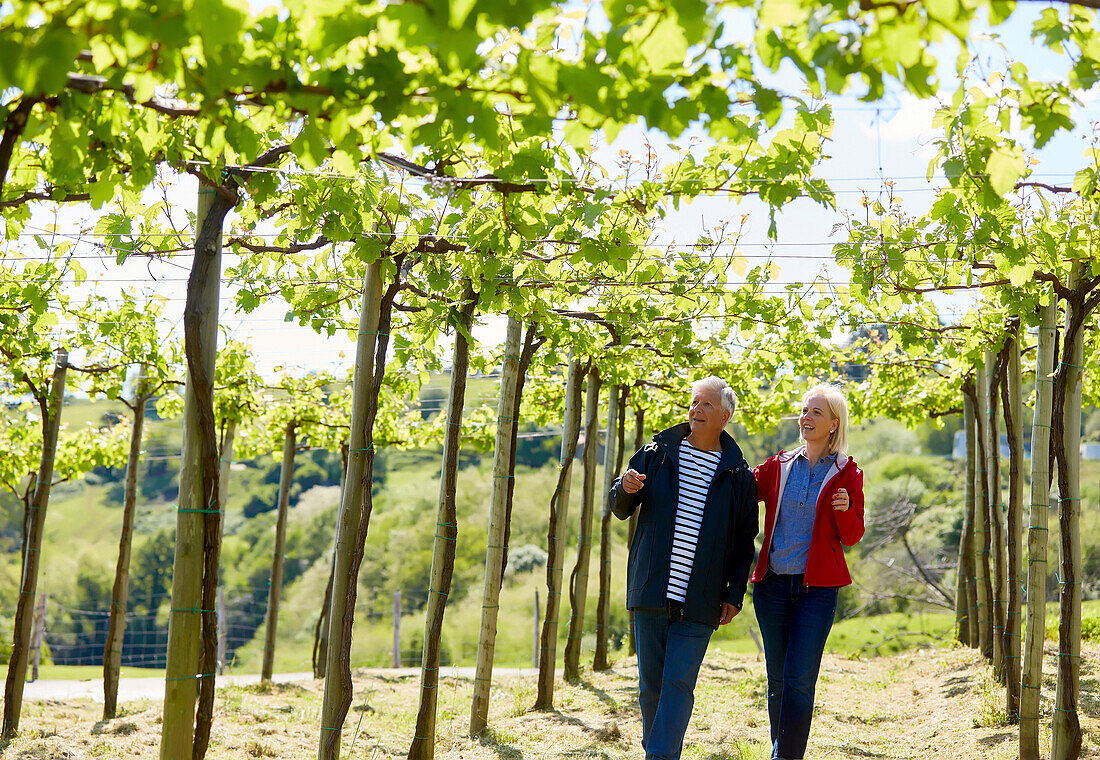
<point>911,122</point>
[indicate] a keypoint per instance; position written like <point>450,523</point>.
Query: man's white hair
<point>725,392</point>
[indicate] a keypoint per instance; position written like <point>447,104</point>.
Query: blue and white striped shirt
<point>697,468</point>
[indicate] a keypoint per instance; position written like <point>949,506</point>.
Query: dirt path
<point>919,705</point>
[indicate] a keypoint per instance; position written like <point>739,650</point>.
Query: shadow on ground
<point>605,698</point>
<point>494,741</point>
<point>853,751</point>
<point>998,738</point>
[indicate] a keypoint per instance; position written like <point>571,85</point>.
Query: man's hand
<point>729,612</point>
<point>633,481</point>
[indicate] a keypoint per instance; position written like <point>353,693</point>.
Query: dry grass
<point>916,705</point>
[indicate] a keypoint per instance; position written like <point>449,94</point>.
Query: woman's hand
<point>633,481</point>
<point>840,500</point>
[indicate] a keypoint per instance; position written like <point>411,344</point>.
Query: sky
<point>889,141</point>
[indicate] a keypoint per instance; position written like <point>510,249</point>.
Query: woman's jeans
<point>670,652</point>
<point>794,622</point>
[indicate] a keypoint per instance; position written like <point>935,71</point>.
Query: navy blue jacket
<point>727,536</point>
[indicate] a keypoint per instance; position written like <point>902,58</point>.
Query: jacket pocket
<point>840,565</point>
<point>638,572</point>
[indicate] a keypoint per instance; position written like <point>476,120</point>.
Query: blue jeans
<point>794,622</point>
<point>669,655</point>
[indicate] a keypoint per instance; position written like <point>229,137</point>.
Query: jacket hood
<point>732,458</point>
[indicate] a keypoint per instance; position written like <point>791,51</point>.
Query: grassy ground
<point>927,703</point>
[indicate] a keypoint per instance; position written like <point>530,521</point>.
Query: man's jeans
<point>794,623</point>
<point>670,652</point>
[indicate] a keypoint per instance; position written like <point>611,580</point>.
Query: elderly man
<point>690,556</point>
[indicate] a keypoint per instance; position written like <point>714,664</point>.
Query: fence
<point>73,635</point>
<point>77,635</point>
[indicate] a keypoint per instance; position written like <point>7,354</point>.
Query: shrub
<point>525,558</point>
<point>931,473</point>
<point>263,499</point>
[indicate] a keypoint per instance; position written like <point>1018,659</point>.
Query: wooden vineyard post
<point>38,638</point>
<point>966,620</point>
<point>185,623</point>
<point>223,628</point>
<point>275,584</point>
<point>578,579</point>
<point>556,546</point>
<point>1012,396</point>
<point>396,662</point>
<point>225,460</point>
<point>1066,741</point>
<point>632,524</point>
<point>337,696</point>
<point>32,555</point>
<point>116,624</point>
<point>982,533</point>
<point>600,659</point>
<point>996,510</point>
<point>494,552</point>
<point>1037,534</point>
<point>446,537</point>
<point>321,630</point>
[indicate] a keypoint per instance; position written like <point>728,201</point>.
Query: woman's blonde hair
<point>838,408</point>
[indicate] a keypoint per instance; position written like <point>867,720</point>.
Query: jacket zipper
<point>778,504</point>
<point>805,583</point>
<point>771,535</point>
<point>664,456</point>
<point>718,474</point>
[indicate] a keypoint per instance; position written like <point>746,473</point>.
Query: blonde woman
<point>813,499</point>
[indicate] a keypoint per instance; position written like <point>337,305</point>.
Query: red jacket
<point>825,565</point>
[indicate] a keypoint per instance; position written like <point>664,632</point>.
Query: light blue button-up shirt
<point>791,539</point>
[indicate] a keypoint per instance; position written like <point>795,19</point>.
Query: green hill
<point>84,518</point>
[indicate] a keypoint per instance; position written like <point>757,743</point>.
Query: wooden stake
<point>225,459</point>
<point>185,630</point>
<point>983,531</point>
<point>1066,423</point>
<point>360,460</point>
<point>321,630</point>
<point>494,553</point>
<point>578,579</point>
<point>600,660</point>
<point>1012,398</point>
<point>275,585</point>
<point>225,454</point>
<point>32,554</point>
<point>996,510</point>
<point>39,635</point>
<point>556,538</point>
<point>632,524</point>
<point>223,629</point>
<point>1038,534</point>
<point>116,624</point>
<point>966,620</point>
<point>444,544</point>
<point>396,629</point>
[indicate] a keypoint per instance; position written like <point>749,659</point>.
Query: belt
<point>675,610</point>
